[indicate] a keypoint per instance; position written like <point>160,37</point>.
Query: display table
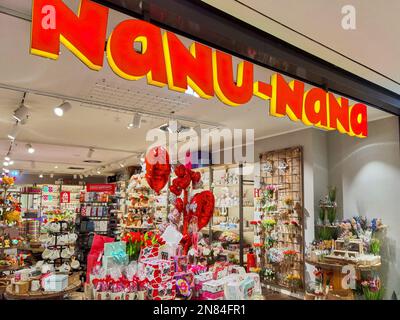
<point>41,295</point>
<point>333,272</point>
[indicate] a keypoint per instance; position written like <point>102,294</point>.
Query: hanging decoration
<point>158,168</point>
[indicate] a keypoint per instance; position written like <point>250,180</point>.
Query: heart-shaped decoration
<point>175,189</point>
<point>158,168</point>
<point>202,205</point>
<point>196,176</point>
<point>180,170</point>
<point>184,181</point>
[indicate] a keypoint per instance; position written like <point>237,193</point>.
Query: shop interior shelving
<point>98,214</point>
<point>234,208</point>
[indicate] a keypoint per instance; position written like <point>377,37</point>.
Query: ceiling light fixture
<point>62,108</point>
<point>11,162</point>
<point>55,167</point>
<point>173,126</point>
<point>5,163</point>
<point>98,171</point>
<point>14,131</point>
<point>30,148</point>
<point>21,114</point>
<point>41,175</point>
<point>7,158</point>
<point>121,165</point>
<point>136,121</point>
<point>90,152</point>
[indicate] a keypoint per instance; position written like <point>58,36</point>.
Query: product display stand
<point>282,218</point>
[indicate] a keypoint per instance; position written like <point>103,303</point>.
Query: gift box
<point>150,252</point>
<point>220,272</point>
<point>117,260</point>
<point>212,295</point>
<point>158,270</point>
<point>203,277</point>
<point>113,248</point>
<point>240,290</point>
<point>55,282</point>
<point>199,279</point>
<point>235,269</point>
<point>213,286</point>
<point>161,291</point>
<point>257,282</point>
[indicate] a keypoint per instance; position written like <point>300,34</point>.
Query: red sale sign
<point>65,197</point>
<point>101,187</point>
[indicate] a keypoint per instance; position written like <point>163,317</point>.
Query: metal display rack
<point>283,169</point>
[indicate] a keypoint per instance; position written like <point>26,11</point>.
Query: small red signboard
<point>101,187</point>
<point>65,197</point>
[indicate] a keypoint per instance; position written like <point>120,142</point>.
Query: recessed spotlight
<point>30,148</point>
<point>6,163</point>
<point>62,108</point>
<point>21,114</point>
<point>14,131</point>
<point>55,167</point>
<point>7,158</point>
<point>41,175</point>
<point>11,162</point>
<point>98,171</point>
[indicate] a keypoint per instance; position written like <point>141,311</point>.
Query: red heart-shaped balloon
<point>196,176</point>
<point>158,168</point>
<point>183,182</point>
<point>179,205</point>
<point>175,189</point>
<point>180,170</point>
<point>204,210</point>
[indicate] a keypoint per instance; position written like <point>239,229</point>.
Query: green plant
<point>326,233</point>
<point>322,214</point>
<point>331,214</point>
<point>332,194</point>
<point>375,246</point>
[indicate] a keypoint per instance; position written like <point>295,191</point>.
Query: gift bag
<point>95,252</point>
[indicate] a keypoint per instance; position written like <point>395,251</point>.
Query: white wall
<point>367,174</point>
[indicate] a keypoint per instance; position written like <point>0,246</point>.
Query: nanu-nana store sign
<point>164,60</point>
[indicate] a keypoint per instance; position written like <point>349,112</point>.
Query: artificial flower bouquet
<point>134,241</point>
<point>372,289</point>
<point>290,255</point>
<point>151,244</point>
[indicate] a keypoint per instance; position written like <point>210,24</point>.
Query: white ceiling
<point>64,142</point>
<point>370,51</point>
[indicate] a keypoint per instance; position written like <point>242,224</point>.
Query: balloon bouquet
<point>196,211</point>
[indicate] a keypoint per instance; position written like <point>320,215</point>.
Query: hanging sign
<point>65,197</point>
<point>101,187</point>
<point>165,61</point>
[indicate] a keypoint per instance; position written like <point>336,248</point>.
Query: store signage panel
<point>164,60</point>
<point>65,197</point>
<point>101,187</point>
